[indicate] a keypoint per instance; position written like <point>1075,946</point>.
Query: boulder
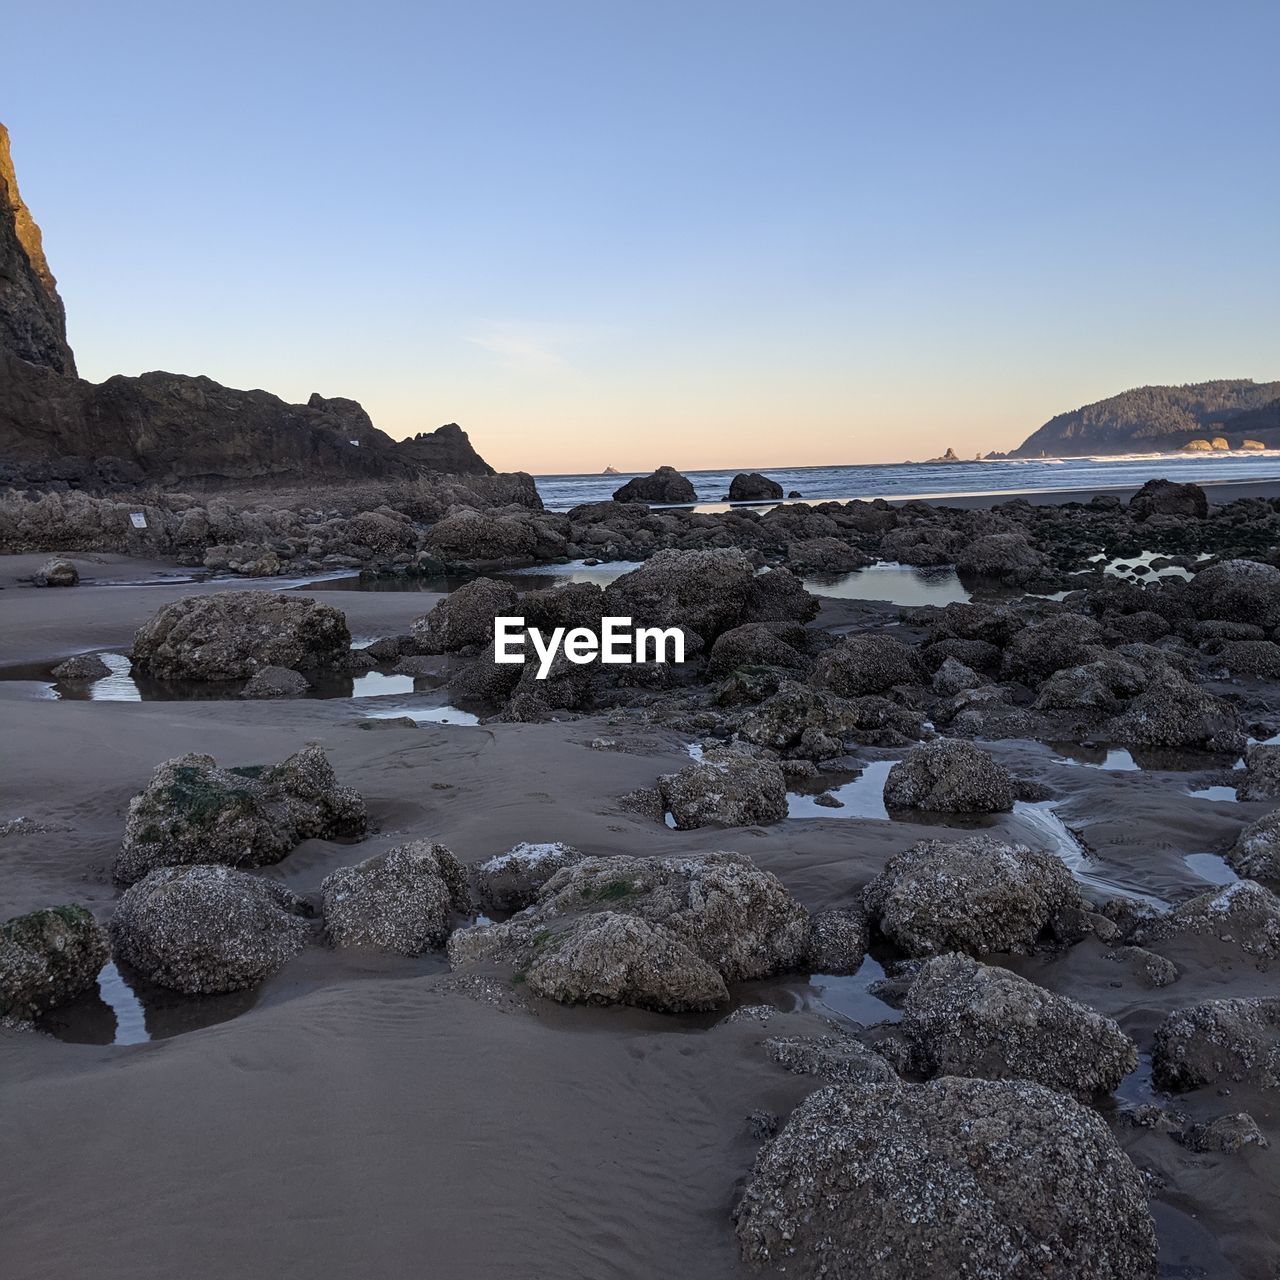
<point>57,572</point>
<point>777,595</point>
<point>194,812</point>
<point>1243,914</point>
<point>84,666</point>
<point>609,958</point>
<point>962,1018</point>
<point>1164,498</point>
<point>1226,1133</point>
<point>48,957</point>
<point>974,1178</point>
<point>720,906</point>
<point>947,776</point>
<point>825,556</point>
<point>401,901</point>
<point>482,537</point>
<point>1038,650</point>
<point>1174,712</point>
<point>206,929</point>
<point>1261,779</point>
<point>1102,686</point>
<point>756,644</point>
<point>859,665</point>
<point>1237,591</point>
<point>800,722</point>
<point>666,485</point>
<point>511,881</point>
<point>953,677</point>
<point>976,895</point>
<point>1220,1042</point>
<point>1257,659</point>
<point>465,617</point>
<point>753,487</point>
<point>706,591</point>
<point>275,682</point>
<point>725,788</point>
<point>231,635</point>
<point>837,940</point>
<point>1256,852</point>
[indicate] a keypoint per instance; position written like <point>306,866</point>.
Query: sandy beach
<point>384,1115</point>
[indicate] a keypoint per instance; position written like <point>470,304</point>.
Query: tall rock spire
<point>33,324</point>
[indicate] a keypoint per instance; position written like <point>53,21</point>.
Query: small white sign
<point>354,442</point>
<point>139,519</point>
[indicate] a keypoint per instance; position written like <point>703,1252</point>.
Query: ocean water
<point>940,479</point>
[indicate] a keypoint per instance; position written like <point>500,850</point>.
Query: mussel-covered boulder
<point>1175,712</point>
<point>1001,1180</point>
<point>838,940</point>
<point>706,591</point>
<point>1219,1042</point>
<point>402,901</point>
<point>719,906</point>
<point>1243,915</point>
<point>48,957</point>
<point>193,811</point>
<point>1237,591</point>
<point>231,635</point>
<point>756,644</point>
<point>962,1018</point>
<point>1261,779</point>
<point>1256,852</point>
<point>725,788</point>
<point>482,537</point>
<point>206,929</point>
<point>949,776</point>
<point>510,881</point>
<point>801,722</point>
<point>610,958</point>
<point>465,617</point>
<point>859,665</point>
<point>977,895</point>
<point>84,666</point>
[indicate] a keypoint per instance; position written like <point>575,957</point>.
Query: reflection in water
<point>126,1009</point>
<point>849,997</point>
<point>895,583</point>
<point>1111,759</point>
<point>537,578</point>
<point>441,714</point>
<point>1213,793</point>
<point>1210,867</point>
<point>862,797</point>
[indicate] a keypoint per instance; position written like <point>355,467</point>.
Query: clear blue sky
<point>708,232</point>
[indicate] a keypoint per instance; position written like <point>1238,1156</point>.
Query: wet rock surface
<point>725,788</point>
<point>948,776</point>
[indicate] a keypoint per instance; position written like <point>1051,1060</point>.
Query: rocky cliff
<point>33,324</point>
<point>167,429</point>
<point>1160,419</point>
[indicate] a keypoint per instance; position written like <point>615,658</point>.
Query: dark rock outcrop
<point>753,487</point>
<point>47,958</point>
<point>33,323</point>
<point>666,485</point>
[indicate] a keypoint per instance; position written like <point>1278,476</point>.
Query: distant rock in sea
<point>611,471</point>
<point>1164,420</point>
<point>753,487</point>
<point>949,456</point>
<point>664,485</point>
<point>168,429</point>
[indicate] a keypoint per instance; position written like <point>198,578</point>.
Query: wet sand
<point>361,1116</point>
